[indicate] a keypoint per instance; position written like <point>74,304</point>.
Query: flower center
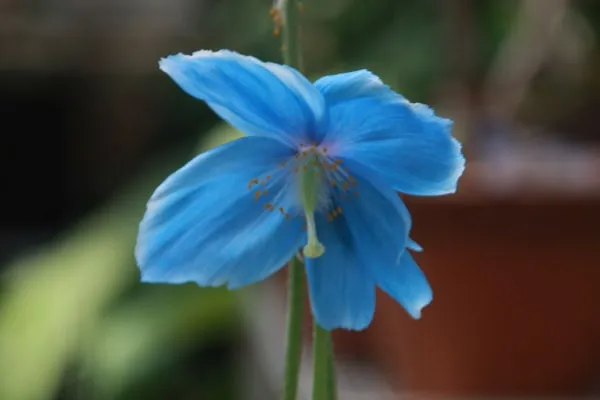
<point>321,183</point>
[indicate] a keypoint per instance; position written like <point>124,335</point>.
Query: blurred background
<point>91,127</point>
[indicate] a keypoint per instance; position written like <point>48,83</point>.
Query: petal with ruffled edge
<point>372,229</point>
<point>212,223</point>
<point>341,290</point>
<point>406,283</point>
<point>377,131</point>
<point>379,224</point>
<point>259,99</point>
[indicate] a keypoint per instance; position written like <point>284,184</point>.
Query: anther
<point>257,195</point>
<point>252,182</point>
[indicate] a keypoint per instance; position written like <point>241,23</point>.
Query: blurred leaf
<point>150,330</point>
<point>53,298</point>
<point>220,134</point>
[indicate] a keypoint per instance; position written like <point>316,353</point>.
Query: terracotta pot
<point>516,305</point>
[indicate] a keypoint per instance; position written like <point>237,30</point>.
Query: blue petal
<point>377,131</point>
<point>204,224</point>
<point>378,221</point>
<point>406,283</point>
<point>259,99</point>
<point>342,291</point>
<point>414,245</point>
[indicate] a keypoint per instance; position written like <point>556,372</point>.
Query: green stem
<point>331,382</point>
<point>292,57</point>
<point>324,387</point>
<point>291,34</point>
<point>293,350</point>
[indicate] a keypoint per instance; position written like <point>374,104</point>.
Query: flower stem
<point>293,350</point>
<point>324,387</point>
<point>292,57</point>
<point>292,54</point>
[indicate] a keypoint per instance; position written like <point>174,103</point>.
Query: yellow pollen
<point>345,186</point>
<point>269,207</point>
<point>257,195</point>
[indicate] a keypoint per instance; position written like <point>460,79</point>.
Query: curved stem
<point>293,350</point>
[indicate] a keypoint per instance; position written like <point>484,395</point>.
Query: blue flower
<point>319,170</point>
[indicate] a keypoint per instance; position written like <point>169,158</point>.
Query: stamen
<point>252,182</point>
